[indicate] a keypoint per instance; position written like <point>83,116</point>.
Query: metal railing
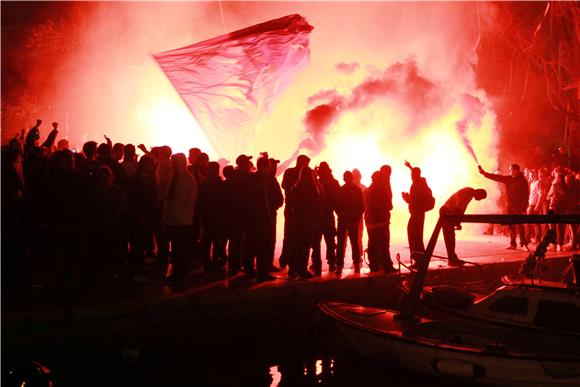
<point>408,307</point>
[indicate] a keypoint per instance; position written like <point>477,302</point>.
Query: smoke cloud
<point>399,85</point>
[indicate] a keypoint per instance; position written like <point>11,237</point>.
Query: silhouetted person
<point>199,171</point>
<point>90,164</point>
<point>163,175</point>
<point>456,205</point>
<point>13,242</point>
<point>288,181</point>
<point>118,151</point>
<point>420,200</point>
<point>304,199</point>
<point>129,163</point>
<point>108,239</point>
<point>266,198</point>
<point>357,181</point>
<point>562,200</point>
<point>517,193</point>
<point>212,212</point>
<point>142,212</point>
<point>350,209</point>
<point>229,206</point>
<point>274,200</point>
<point>105,157</point>
<point>68,194</point>
<point>327,226</point>
<point>241,196</point>
<point>378,217</point>
<point>179,207</point>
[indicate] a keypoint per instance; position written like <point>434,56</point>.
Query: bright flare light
<point>171,123</point>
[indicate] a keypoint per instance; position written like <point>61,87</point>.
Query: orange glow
<point>171,123</point>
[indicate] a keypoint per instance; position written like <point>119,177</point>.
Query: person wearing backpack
<point>420,200</point>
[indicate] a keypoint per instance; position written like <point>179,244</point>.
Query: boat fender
<point>458,368</point>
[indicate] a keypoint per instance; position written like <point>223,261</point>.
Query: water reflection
<point>198,368</point>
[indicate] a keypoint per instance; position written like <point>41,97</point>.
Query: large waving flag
<point>229,82</point>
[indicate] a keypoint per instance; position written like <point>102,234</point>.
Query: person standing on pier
<point>327,226</point>
<point>289,179</point>
<point>518,193</point>
<point>350,210</point>
<point>377,216</point>
<point>420,200</point>
<point>456,205</point>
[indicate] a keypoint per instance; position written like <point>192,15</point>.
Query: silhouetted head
<point>514,170</point>
<point>356,175</point>
<point>324,169</point>
<point>193,153</point>
<point>146,165</point>
<point>347,177</point>
<point>228,171</point>
<point>415,173</point>
<point>302,161</point>
<point>479,194</point>
<point>376,177</point>
<point>386,170</point>
<point>62,144</point>
<point>64,159</point>
<point>165,152</point>
<point>202,160</point>
<point>273,165</point>
<point>129,152</point>
<point>90,150</point>
<point>104,151</point>
<point>179,163</point>
<point>118,151</point>
<point>213,169</point>
<point>243,162</point>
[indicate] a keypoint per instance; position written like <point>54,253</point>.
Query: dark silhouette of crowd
<point>104,214</point>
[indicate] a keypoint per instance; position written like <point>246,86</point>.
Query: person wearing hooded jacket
<point>178,212</point>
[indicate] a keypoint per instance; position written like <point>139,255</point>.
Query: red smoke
<point>473,112</point>
<point>400,83</point>
<point>347,68</point>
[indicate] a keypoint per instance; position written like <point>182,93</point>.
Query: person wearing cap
<point>289,179</point>
<point>456,205</point>
<point>518,193</point>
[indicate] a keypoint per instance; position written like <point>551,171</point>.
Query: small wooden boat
<point>477,352</point>
<point>438,347</point>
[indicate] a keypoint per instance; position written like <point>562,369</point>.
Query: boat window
<point>560,316</point>
<point>511,305</point>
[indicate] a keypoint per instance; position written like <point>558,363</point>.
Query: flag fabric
<point>230,82</point>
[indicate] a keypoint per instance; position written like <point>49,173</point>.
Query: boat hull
<point>379,334</point>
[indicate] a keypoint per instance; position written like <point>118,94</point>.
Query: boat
<point>522,306</point>
<point>477,352</point>
<point>437,347</point>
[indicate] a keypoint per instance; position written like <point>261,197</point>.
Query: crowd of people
<point>104,212</point>
<point>539,192</point>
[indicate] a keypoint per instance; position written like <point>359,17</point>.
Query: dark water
<point>270,361</point>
